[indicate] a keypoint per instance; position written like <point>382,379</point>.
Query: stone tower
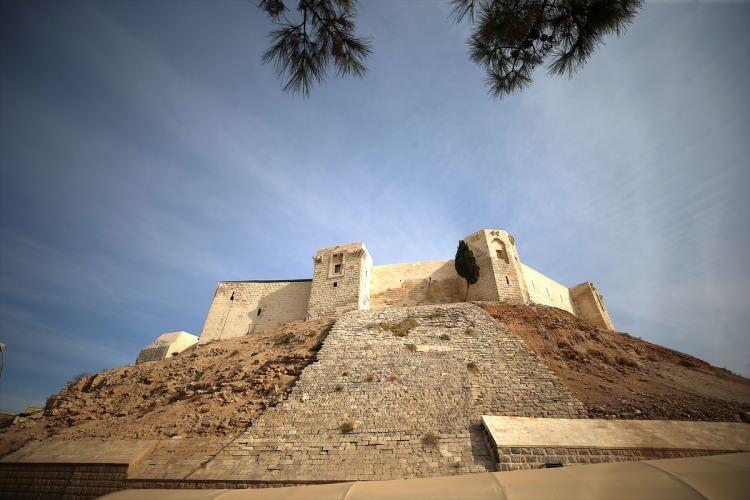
<point>341,280</point>
<point>500,273</point>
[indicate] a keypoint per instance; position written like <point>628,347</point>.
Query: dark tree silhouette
<point>510,38</point>
<point>316,34</point>
<point>466,265</point>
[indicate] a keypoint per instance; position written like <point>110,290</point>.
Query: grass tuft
<point>347,426</point>
<point>430,439</point>
<point>402,328</point>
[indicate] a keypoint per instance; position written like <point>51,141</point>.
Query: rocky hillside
<point>619,376</point>
<point>211,390</point>
<point>219,388</point>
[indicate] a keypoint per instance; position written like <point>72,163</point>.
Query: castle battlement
<point>345,279</point>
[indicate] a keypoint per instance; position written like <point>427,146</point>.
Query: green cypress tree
<point>466,265</point>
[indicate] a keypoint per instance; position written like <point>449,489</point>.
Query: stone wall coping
<point>622,434</point>
<point>127,452</point>
<point>300,280</point>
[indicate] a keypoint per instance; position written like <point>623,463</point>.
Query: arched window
<point>501,252</point>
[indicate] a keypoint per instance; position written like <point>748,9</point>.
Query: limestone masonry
<point>166,345</point>
<point>345,279</point>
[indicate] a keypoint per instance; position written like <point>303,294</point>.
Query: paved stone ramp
<point>416,410</point>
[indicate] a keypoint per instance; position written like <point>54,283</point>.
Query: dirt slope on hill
<point>619,376</point>
<point>212,390</point>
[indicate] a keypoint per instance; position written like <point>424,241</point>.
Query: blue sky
<point>146,154</point>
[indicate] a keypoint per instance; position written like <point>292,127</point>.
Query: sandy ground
<point>619,376</point>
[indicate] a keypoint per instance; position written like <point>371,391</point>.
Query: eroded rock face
<point>399,393</point>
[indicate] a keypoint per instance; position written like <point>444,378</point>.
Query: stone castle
<point>345,279</point>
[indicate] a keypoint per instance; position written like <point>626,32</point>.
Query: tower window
<point>232,297</point>
<point>335,284</point>
<point>337,264</point>
<point>260,311</point>
<point>500,251</point>
<point>507,281</point>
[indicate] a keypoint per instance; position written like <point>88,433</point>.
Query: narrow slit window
<point>260,311</point>
<point>507,281</point>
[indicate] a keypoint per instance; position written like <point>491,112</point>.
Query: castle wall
<point>165,346</point>
<point>500,273</point>
<point>457,358</point>
<point>336,290</point>
<point>244,307</point>
<point>486,287</point>
<point>344,279</point>
<point>416,283</point>
<point>546,291</point>
<point>589,305</point>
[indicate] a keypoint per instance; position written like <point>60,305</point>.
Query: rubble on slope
<point>209,390</point>
<point>617,375</point>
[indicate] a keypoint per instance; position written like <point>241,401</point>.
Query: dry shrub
<point>430,439</point>
<point>347,426</point>
<point>436,314</point>
<point>402,328</point>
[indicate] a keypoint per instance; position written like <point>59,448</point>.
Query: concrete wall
<point>529,443</point>
<point>415,283</point>
<point>336,292</point>
<point>546,291</point>
<point>234,311</point>
<point>589,305</point>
